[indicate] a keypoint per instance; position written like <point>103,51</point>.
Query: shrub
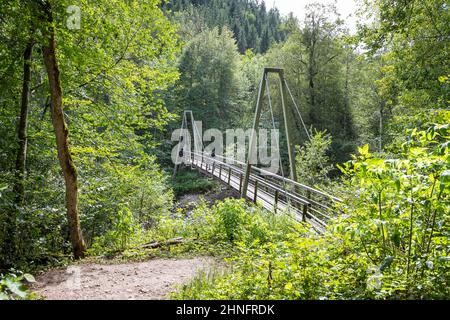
<point>312,160</point>
<point>12,287</point>
<point>232,216</point>
<point>398,219</point>
<point>124,229</point>
<point>188,181</point>
<point>233,220</point>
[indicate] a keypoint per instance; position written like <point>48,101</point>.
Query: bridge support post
<point>276,201</point>
<point>255,193</point>
<point>287,124</point>
<point>240,186</point>
<point>253,138</point>
<point>305,212</point>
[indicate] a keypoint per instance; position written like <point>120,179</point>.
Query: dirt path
<point>150,280</point>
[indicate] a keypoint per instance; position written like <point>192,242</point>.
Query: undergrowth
<point>189,181</point>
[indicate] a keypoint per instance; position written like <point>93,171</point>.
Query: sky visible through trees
<point>346,8</point>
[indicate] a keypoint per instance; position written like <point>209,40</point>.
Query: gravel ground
<point>150,280</point>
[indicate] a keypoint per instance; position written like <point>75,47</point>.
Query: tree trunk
<point>23,125</point>
<point>9,243</point>
<point>346,128</point>
<point>312,71</point>
<point>62,133</point>
<point>380,147</point>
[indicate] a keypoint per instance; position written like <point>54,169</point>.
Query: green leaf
<point>445,179</point>
<point>29,277</point>
<point>16,287</point>
<point>397,184</point>
<point>2,188</point>
<point>364,150</point>
<point>288,286</point>
<point>3,296</point>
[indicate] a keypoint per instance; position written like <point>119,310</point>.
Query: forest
<point>92,91</point>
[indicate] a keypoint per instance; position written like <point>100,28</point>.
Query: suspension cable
<point>301,118</point>
<point>196,130</point>
<point>298,110</point>
<point>178,151</point>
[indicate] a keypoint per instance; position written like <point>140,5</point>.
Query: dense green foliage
<point>390,242</point>
<point>234,221</point>
<point>204,230</point>
<point>187,182</point>
<point>12,287</point>
<point>412,42</point>
<point>211,83</point>
<point>313,162</point>
<point>112,107</point>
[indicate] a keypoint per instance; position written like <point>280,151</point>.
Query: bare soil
<point>150,280</point>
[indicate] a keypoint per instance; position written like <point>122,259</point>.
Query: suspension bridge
<point>274,192</point>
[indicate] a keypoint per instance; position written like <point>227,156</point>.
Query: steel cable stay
<point>298,110</point>
<point>301,119</point>
<point>177,159</point>
<point>288,200</point>
<point>196,130</point>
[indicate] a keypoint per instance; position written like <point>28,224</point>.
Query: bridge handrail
<point>288,194</point>
<point>266,183</point>
<point>268,173</point>
<point>233,170</point>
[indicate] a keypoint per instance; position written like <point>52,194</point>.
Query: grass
<point>200,283</point>
<point>190,248</point>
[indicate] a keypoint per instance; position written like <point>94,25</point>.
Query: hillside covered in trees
<point>254,26</point>
<point>91,94</point>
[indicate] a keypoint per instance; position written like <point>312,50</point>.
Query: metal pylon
<point>253,138</point>
<point>196,134</point>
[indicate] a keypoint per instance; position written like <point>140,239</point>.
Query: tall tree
<point>17,48</point>
<point>23,123</point>
<point>109,94</point>
<point>62,132</point>
<point>413,39</point>
<point>211,82</point>
<point>319,37</point>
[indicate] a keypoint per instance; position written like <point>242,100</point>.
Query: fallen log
<point>156,244</point>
